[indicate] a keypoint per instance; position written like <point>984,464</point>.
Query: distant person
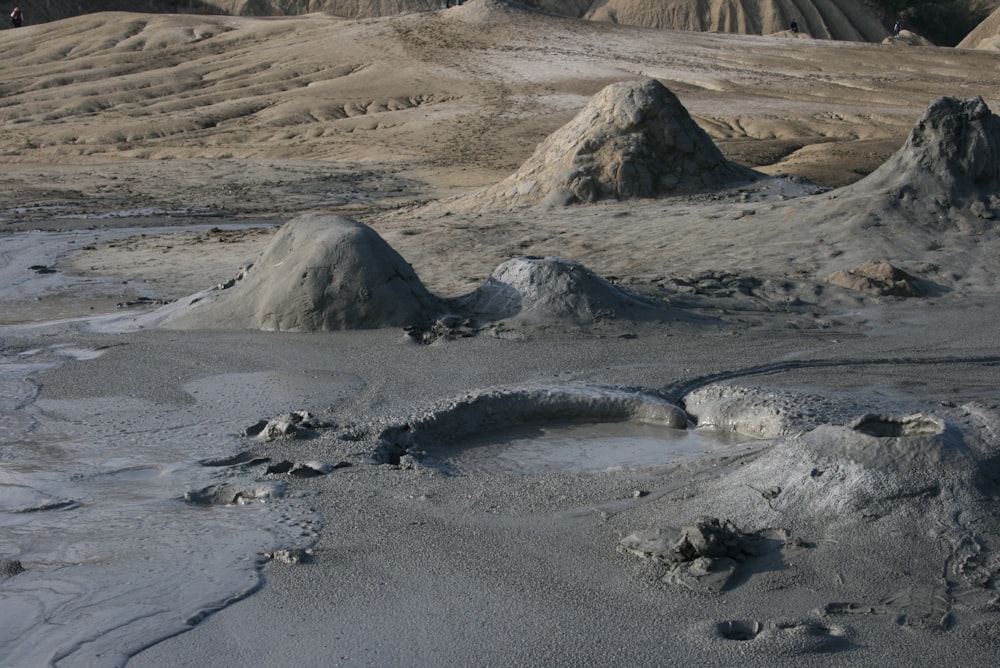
<point>17,17</point>
<point>896,27</point>
<point>794,27</point>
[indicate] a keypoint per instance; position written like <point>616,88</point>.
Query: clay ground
<point>116,121</point>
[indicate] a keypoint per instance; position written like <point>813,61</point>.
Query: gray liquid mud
<point>590,447</point>
<point>114,557</point>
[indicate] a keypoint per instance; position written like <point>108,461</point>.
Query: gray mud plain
<point>854,518</point>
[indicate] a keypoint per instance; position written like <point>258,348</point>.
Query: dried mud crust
<point>176,191</point>
<point>211,257</point>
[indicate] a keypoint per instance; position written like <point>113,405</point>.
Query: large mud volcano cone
<point>319,273</point>
<point>634,139</point>
<point>949,165</point>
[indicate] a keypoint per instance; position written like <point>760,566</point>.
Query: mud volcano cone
<point>550,289</point>
<point>634,139</point>
<point>320,273</point>
<point>950,164</point>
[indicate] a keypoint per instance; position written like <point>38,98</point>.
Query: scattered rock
<point>255,428</point>
<point>297,424</point>
<point>740,629</point>
<point>227,494</point>
<point>10,568</point>
<point>292,556</point>
<point>447,328</point>
<point>304,469</point>
<point>950,159</point>
<point>705,554</point>
<point>877,277</point>
<point>141,301</point>
<point>884,426</point>
<point>244,458</point>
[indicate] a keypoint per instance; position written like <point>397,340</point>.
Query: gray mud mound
<point>948,168</point>
<point>633,140</point>
<point>932,207</point>
<point>827,459</point>
<point>864,493</point>
<point>544,289</point>
<point>320,273</point>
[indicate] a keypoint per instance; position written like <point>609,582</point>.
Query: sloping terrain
<point>478,87</point>
<point>824,19</point>
<point>986,35</point>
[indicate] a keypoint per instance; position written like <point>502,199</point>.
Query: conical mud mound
<point>320,273</point>
<point>538,289</point>
<point>949,165</point>
<point>634,139</point>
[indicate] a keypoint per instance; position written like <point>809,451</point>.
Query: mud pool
<point>590,447</point>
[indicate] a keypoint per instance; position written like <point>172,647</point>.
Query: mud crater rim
<point>549,429</point>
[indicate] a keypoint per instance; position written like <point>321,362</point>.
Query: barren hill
<point>986,35</point>
<point>825,19</point>
<point>847,20</point>
<point>456,98</point>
